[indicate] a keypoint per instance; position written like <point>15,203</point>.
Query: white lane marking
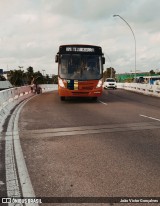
<point>13,152</point>
<point>149,117</point>
<point>25,181</point>
<point>11,174</point>
<point>103,102</point>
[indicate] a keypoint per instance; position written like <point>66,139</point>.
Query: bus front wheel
<point>62,98</point>
<point>94,98</point>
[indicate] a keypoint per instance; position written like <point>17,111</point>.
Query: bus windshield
<point>80,66</point>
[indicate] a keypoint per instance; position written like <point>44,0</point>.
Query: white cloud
<point>31,31</point>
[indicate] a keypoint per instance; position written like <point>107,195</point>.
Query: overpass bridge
<point>80,152</point>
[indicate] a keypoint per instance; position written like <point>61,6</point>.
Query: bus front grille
<point>78,93</point>
<point>87,87</point>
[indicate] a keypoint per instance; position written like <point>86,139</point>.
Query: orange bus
<point>80,70</point>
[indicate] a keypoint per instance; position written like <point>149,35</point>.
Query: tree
<point>20,78</point>
<point>107,73</point>
<point>38,78</point>
<point>30,70</point>
<point>152,72</point>
<point>30,74</point>
<point>17,77</point>
<point>47,79</point>
<point>55,79</point>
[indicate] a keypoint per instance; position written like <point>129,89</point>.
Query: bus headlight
<point>99,83</point>
<point>61,84</point>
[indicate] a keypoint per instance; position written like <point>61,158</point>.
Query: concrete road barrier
<point>9,98</point>
<point>48,87</point>
<point>146,89</point>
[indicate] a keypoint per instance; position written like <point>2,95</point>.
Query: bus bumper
<point>63,92</point>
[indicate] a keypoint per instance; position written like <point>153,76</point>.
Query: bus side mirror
<point>103,60</point>
<point>56,58</point>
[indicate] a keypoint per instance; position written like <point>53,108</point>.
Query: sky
<point>31,32</point>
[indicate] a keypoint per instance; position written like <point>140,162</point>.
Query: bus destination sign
<point>79,49</point>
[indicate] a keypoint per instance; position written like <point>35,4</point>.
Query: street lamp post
<point>133,37</point>
<point>43,70</point>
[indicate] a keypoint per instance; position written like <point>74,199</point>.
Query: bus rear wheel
<point>62,98</point>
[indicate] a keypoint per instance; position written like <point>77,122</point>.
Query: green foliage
<point>129,80</point>
<point>152,72</point>
<point>55,79</point>
<point>30,74</point>
<point>17,77</point>
<point>21,78</point>
<point>30,70</point>
<point>110,72</point>
<point>38,78</point>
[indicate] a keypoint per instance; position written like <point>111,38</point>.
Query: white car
<point>110,83</point>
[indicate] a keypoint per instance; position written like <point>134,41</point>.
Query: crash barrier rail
<point>146,89</point>
<point>9,98</point>
<point>48,87</point>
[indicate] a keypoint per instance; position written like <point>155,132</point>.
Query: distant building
<point>123,77</point>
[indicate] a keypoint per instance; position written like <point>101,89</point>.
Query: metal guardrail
<point>146,89</point>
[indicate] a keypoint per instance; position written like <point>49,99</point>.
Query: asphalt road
<point>81,148</point>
